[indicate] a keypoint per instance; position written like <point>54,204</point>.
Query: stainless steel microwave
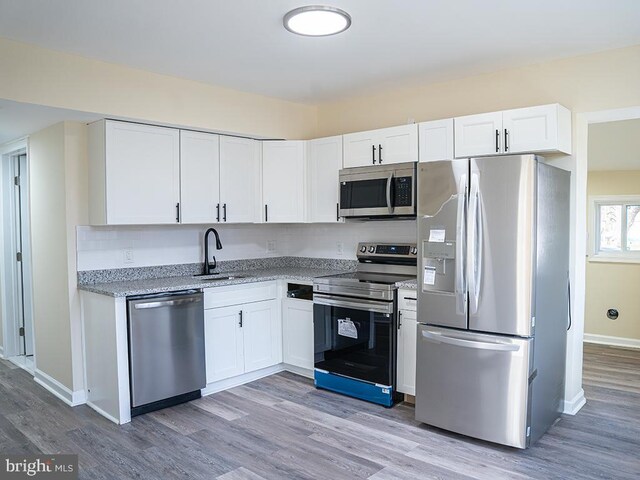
<point>378,191</point>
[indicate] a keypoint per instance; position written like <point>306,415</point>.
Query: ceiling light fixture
<point>317,21</point>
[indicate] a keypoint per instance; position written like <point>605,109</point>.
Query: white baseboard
<point>59,390</point>
<point>241,379</point>
<point>1,351</point>
<point>613,341</point>
<point>105,414</point>
<point>303,372</point>
<point>573,406</point>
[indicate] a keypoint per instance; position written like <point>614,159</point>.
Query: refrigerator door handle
<point>459,342</point>
<point>389,204</point>
<point>461,234</point>
<point>474,245</point>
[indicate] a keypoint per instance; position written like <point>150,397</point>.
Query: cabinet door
<point>478,135</point>
<point>399,144</point>
<point>407,338</point>
<point>262,333</point>
<point>142,173</point>
<point>199,177</point>
<point>223,343</point>
<point>283,179</point>
<point>297,332</point>
<point>360,149</point>
<point>534,129</point>
<point>239,180</point>
<point>324,157</point>
<point>436,140</point>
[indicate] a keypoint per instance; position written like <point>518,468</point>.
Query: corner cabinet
<point>544,128</point>
<point>324,161</point>
<point>134,174</point>
<point>386,145</point>
<point>407,342</point>
<point>283,181</point>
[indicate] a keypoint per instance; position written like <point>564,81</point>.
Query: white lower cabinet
<point>224,344</point>
<point>297,332</point>
<point>262,334</point>
<point>407,342</point>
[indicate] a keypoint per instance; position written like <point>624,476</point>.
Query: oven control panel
<point>395,250</point>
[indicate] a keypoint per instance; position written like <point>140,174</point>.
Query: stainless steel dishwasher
<point>166,349</point>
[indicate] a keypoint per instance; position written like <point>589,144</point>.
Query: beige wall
<point>58,203</point>
<point>613,285</point>
<point>587,83</point>
<point>35,75</point>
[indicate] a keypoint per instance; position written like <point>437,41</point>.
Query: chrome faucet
<point>208,268</point>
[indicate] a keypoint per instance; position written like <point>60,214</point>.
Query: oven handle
<point>355,303</point>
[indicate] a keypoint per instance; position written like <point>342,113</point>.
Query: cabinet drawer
<point>237,294</point>
<point>407,300</point>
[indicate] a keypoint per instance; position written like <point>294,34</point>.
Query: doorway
<point>17,292</point>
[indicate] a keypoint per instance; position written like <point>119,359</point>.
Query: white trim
<point>574,405</point>
<point>107,415</point>
<point>59,390</point>
<point>613,341</point>
<point>241,379</point>
<point>303,372</point>
<point>611,259</point>
<point>1,351</point>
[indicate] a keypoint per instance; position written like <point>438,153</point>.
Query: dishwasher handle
<point>167,303</point>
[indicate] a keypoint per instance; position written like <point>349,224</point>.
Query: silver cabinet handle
<point>459,342</point>
<point>389,206</point>
<point>166,303</point>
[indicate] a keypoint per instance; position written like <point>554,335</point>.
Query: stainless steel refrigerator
<point>493,303</point>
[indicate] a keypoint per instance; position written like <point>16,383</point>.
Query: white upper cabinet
<point>134,173</point>
<point>239,180</point>
<point>283,181</point>
<point>199,177</point>
<point>478,135</point>
<point>324,161</point>
<point>386,145</point>
<point>545,128</point>
<point>436,140</point>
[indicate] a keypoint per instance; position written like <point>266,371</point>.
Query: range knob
<point>363,249</point>
<point>414,251</point>
<point>372,249</point>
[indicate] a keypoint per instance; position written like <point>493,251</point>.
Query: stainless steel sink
<point>216,277</point>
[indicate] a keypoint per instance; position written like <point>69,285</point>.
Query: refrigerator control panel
<point>441,250</point>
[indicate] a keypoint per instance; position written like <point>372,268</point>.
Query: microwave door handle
<point>389,202</point>
<point>461,284</point>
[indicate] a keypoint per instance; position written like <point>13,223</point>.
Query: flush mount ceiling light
<point>317,21</point>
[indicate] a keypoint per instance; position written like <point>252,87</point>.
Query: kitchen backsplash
<point>142,246</point>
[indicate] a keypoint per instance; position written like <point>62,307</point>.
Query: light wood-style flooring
<point>282,427</point>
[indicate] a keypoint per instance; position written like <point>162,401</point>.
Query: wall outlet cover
<point>271,246</point>
<point>340,248</point>
<point>127,256</point>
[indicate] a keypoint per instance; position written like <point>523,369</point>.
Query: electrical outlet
<point>127,256</point>
<point>340,248</point>
<point>271,246</point>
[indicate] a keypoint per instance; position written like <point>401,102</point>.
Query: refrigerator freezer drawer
<point>474,384</point>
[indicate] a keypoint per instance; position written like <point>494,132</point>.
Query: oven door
<point>378,191</point>
<point>355,338</point>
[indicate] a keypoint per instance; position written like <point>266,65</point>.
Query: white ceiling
<point>242,44</point>
<point>614,145</point>
<point>18,120</point>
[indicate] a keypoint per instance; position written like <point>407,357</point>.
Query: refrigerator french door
<point>482,246</point>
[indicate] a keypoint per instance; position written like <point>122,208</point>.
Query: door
<point>324,163</point>
<point>199,177</point>
<point>360,149</point>
<point>224,346</point>
<point>239,180</point>
<point>474,384</point>
<point>442,216</point>
<point>166,347</point>
<point>478,135</point>
<point>297,332</point>
<point>398,144</point>
<point>502,244</point>
<point>262,333</point>
<point>355,338</point>
<point>283,180</point>
<point>142,174</point>
<point>407,334</point>
<point>436,140</point>
<point>531,129</point>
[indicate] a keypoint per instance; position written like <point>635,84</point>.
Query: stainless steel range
<point>355,325</point>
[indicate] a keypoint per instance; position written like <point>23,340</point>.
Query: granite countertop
<point>125,288</point>
<point>411,284</point>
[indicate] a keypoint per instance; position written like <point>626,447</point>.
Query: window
<point>616,228</point>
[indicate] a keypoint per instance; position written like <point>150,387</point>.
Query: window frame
<point>598,255</point>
